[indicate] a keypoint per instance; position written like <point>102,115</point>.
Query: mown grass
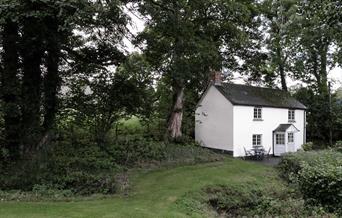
<point>157,193</point>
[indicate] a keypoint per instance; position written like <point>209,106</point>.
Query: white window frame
<point>281,139</point>
<point>257,113</point>
<point>291,115</point>
<point>290,135</point>
<point>257,139</point>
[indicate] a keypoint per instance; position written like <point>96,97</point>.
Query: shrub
<point>134,150</point>
<point>308,146</point>
<point>233,201</point>
<point>338,146</point>
<point>84,183</point>
<point>318,175</point>
<point>290,164</point>
<point>77,164</point>
<point>321,183</point>
<point>81,168</point>
<point>250,201</point>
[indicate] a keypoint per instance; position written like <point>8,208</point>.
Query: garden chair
<point>247,153</point>
<point>268,153</point>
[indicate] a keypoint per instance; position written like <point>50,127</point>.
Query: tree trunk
<point>176,117</point>
<point>32,53</point>
<point>281,68</point>
<point>10,89</point>
<point>323,83</point>
<point>51,79</point>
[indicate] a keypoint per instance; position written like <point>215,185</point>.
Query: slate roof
<point>256,96</point>
<point>283,127</point>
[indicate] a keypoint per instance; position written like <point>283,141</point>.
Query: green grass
<point>157,193</point>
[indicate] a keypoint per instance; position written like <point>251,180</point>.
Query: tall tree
<point>281,28</point>
<point>186,39</point>
<point>32,54</point>
<point>52,77</point>
<point>52,34</point>
<point>10,87</point>
<point>320,38</point>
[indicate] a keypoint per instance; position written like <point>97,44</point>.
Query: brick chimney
<point>217,78</point>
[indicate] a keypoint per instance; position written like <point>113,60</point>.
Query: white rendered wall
<point>245,127</point>
<point>214,121</point>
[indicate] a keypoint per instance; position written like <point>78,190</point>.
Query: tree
<point>185,40</point>
<point>108,96</point>
<point>320,34</point>
<point>318,120</point>
<point>281,38</point>
<point>318,51</point>
<point>47,41</point>
<point>10,87</point>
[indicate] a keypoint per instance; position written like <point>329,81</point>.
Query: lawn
<point>154,193</point>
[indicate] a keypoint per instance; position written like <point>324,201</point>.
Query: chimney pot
<point>217,78</point>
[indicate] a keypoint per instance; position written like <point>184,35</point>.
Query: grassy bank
<point>158,193</point>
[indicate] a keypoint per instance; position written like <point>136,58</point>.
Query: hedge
<point>318,175</point>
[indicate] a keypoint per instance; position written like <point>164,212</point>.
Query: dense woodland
<point>68,83</point>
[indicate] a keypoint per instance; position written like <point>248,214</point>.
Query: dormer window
<point>291,115</point>
<point>257,113</point>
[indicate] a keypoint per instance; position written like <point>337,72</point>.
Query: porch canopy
<point>286,127</point>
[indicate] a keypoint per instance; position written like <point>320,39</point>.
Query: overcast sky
<point>335,75</point>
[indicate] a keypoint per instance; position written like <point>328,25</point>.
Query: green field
<point>157,193</point>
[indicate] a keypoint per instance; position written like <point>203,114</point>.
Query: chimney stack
<point>217,78</point>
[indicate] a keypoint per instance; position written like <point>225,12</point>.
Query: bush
<point>318,176</point>
<point>84,183</point>
<point>338,146</point>
<point>250,201</point>
<point>308,146</point>
<point>139,151</point>
<point>81,168</point>
<point>76,163</point>
<point>291,163</point>
<point>134,150</point>
<point>321,183</point>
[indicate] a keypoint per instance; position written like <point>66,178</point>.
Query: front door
<point>279,144</point>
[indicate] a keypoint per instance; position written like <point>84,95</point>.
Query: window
<point>280,139</point>
<point>291,115</point>
<point>290,137</point>
<point>257,140</point>
<point>257,113</point>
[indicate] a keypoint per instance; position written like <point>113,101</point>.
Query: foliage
<point>185,40</point>
<point>39,192</point>
<point>290,164</point>
<point>81,169</point>
<point>338,146</point>
<point>318,176</point>
<point>319,117</point>
<point>101,102</point>
<point>308,146</point>
<point>280,28</point>
<point>135,150</point>
<point>165,192</point>
<point>76,163</point>
<point>58,40</point>
<point>321,183</point>
<point>252,201</point>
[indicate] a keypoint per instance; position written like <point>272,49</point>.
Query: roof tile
<point>257,96</point>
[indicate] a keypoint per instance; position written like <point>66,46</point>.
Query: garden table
<point>258,152</point>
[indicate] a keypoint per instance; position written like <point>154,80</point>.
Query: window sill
<point>257,119</point>
<point>291,121</point>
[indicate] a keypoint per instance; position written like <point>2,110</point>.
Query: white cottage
<point>234,117</point>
